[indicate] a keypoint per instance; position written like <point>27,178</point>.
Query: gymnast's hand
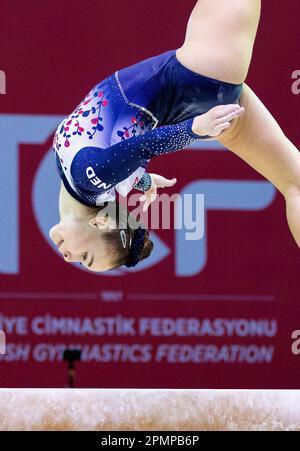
<point>216,120</point>
<point>157,181</point>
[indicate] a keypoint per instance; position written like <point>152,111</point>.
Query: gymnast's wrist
<point>194,130</point>
<point>145,183</point>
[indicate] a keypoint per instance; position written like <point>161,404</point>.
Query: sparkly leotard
<point>133,115</point>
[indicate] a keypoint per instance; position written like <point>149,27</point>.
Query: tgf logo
<point>190,259</point>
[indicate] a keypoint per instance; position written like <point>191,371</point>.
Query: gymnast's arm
<point>96,169</point>
<point>207,126</point>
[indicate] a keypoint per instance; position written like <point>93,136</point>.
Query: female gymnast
<point>157,106</point>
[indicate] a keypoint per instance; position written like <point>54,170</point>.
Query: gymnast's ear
<point>101,221</point>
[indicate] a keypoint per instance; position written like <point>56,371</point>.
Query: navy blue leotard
<point>131,116</point>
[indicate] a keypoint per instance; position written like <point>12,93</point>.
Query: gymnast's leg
<point>257,138</point>
<point>219,43</point>
<point>220,37</point>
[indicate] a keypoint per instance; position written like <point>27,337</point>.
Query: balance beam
<point>149,410</point>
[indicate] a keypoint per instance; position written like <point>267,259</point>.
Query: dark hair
<point>129,242</point>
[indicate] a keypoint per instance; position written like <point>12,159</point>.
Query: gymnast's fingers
<point>146,203</point>
<point>221,127</point>
<point>229,117</point>
<point>148,198</point>
<point>165,183</point>
<point>222,110</point>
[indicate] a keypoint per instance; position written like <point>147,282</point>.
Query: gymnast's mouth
<point>60,243</point>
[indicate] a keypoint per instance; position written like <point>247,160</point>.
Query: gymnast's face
<point>79,240</point>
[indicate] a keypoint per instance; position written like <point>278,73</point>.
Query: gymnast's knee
<point>244,11</point>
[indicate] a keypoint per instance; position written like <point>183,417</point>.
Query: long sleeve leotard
<point>105,146</point>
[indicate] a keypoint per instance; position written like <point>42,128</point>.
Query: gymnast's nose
<point>68,256</point>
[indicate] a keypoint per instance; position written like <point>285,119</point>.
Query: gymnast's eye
<point>84,256</point>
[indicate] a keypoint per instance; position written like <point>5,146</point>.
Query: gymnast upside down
<point>157,106</point>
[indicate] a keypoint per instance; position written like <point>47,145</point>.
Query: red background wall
<point>53,52</point>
